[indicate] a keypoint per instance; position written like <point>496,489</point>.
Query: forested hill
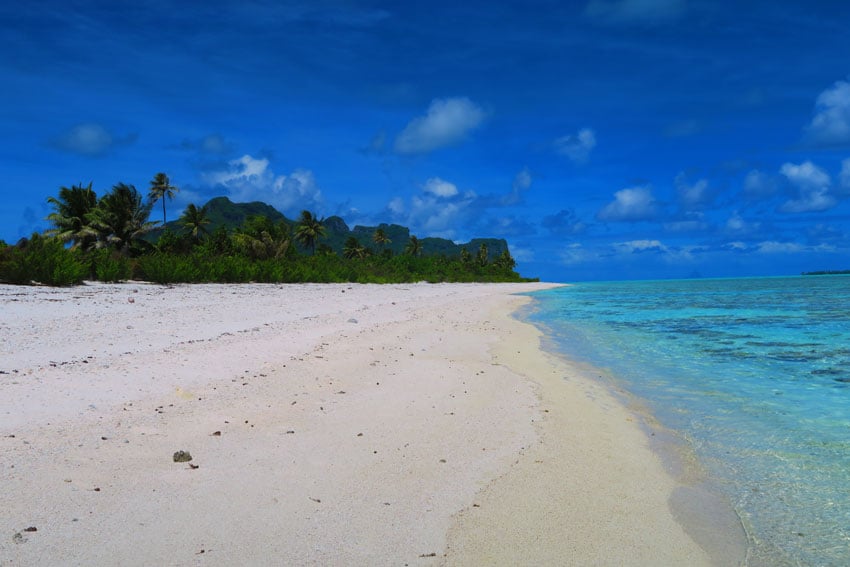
<point>221,211</point>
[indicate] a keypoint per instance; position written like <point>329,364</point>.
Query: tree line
<point>109,238</point>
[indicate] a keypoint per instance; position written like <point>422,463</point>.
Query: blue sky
<point>604,139</point>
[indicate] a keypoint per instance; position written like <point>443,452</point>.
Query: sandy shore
<point>328,425</point>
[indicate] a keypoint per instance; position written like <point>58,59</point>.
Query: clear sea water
<point>753,374</point>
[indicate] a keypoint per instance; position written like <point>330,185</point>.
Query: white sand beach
<point>328,425</point>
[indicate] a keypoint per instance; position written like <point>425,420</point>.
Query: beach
<point>328,424</point>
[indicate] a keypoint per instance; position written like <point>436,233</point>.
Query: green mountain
<point>221,211</point>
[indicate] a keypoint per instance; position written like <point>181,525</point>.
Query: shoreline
<point>622,521</point>
<point>329,423</point>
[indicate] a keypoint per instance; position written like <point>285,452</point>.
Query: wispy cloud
<point>521,183</point>
<point>629,205</point>
<point>830,125</point>
<point>844,178</point>
<point>635,11</point>
<point>212,144</point>
<point>693,196</point>
<point>758,185</point>
<point>564,222</point>
<point>447,122</point>
<point>576,146</point>
<point>90,139</point>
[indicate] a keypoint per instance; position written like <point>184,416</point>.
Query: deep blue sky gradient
<point>605,139</point>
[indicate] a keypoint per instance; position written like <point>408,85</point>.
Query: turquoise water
<point>754,374</point>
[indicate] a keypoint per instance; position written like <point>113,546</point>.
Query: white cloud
<point>692,197</point>
<point>439,210</point>
<point>737,225</point>
<point>831,123</point>
<point>773,247</point>
<point>635,11</point>
<point>251,179</point>
<point>634,246</point>
<point>440,188</point>
<point>632,204</point>
<point>396,206</point>
<point>447,122</point>
<point>812,185</point>
<point>577,146</point>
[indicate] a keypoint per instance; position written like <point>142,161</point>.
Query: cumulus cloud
<point>439,210</point>
<point>577,146</point>
<point>632,204</point>
<point>447,122</point>
<point>90,139</point>
<point>811,184</point>
<point>635,11</point>
<point>693,196</point>
<point>252,179</point>
<point>831,123</point>
<point>440,188</point>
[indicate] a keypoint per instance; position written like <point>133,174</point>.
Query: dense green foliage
<point>108,239</point>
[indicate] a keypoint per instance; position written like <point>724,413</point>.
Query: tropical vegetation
<point>111,239</point>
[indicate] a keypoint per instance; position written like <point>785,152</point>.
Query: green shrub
<point>41,260</point>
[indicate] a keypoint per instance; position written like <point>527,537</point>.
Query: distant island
<point>111,238</point>
<point>827,273</point>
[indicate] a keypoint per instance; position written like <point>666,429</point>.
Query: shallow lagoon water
<point>753,374</point>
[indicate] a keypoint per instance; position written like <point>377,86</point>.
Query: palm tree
<point>482,255</point>
<point>70,216</point>
<point>261,239</point>
<point>161,189</point>
<point>380,238</point>
<point>309,230</point>
<point>121,218</point>
<point>414,246</point>
<point>505,261</point>
<point>194,220</point>
<point>353,249</point>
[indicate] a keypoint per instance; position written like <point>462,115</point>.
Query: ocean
<point>752,375</point>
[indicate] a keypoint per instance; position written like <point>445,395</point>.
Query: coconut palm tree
<point>70,216</point>
<point>309,230</point>
<point>505,261</point>
<point>414,246</point>
<point>194,220</point>
<point>121,218</point>
<point>380,238</point>
<point>161,189</point>
<point>353,249</point>
<point>483,254</point>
